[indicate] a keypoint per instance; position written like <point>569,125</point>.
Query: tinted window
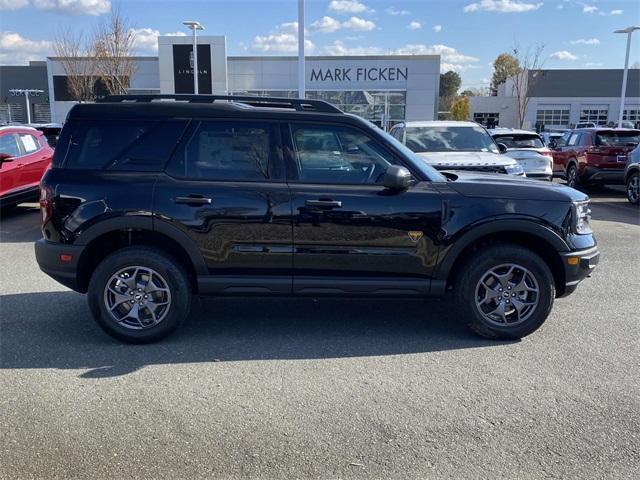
<point>449,139</point>
<point>338,155</point>
<point>123,144</point>
<point>238,151</point>
<point>30,143</point>
<point>520,141</point>
<point>618,139</point>
<point>8,144</point>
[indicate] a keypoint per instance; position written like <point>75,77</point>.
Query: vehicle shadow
<point>610,204</point>
<point>55,330</point>
<point>20,224</point>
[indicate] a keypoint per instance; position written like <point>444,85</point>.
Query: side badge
<point>415,235</point>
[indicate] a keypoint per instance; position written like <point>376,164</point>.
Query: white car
<point>450,145</point>
<point>528,149</point>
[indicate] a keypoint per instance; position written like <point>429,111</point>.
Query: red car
<point>24,157</point>
<point>593,155</point>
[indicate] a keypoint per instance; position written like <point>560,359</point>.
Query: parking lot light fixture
<point>194,26</point>
<point>628,31</point>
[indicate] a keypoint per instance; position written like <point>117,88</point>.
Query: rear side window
<point>9,145</point>
<point>123,144</point>
<point>233,151</point>
<point>30,143</point>
<point>573,139</point>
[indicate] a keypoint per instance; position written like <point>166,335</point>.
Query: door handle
<point>324,203</point>
<point>194,200</point>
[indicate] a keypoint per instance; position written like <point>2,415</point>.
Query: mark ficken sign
<point>359,74</point>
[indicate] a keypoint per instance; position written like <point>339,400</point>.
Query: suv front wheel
<point>633,188</point>
<point>139,294</point>
<point>504,291</point>
<point>572,176</point>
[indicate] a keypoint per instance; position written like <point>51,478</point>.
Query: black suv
<point>151,199</point>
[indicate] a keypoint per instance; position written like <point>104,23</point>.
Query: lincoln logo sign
<point>359,74</point>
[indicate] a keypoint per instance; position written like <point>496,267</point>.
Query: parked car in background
<point>528,149</point>
<point>51,131</point>
<point>586,125</point>
<point>450,145</point>
<point>593,156</point>
<point>24,157</point>
<point>632,176</point>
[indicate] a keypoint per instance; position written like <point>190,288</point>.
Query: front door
<point>225,188</point>
<point>350,234</point>
<point>10,171</point>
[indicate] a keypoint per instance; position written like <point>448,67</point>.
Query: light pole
<point>628,31</point>
<point>301,86</point>
<point>194,26</point>
<point>26,92</point>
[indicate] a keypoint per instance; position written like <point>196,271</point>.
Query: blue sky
<point>468,34</point>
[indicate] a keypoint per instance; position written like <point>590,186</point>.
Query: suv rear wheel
<point>633,188</point>
<point>139,294</point>
<point>504,291</point>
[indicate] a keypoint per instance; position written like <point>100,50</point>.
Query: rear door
<point>9,171</point>
<point>350,234</point>
<point>35,159</point>
<point>225,188</point>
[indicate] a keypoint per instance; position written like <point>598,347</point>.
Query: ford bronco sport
<point>152,199</point>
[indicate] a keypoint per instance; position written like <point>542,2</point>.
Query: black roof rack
<point>265,102</point>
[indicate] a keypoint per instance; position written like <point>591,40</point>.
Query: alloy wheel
<point>137,297</point>
<point>507,295</point>
<point>633,189</point>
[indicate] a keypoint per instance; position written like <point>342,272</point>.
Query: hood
<point>465,159</point>
<point>474,184</point>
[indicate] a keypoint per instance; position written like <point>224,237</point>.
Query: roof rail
<point>255,101</point>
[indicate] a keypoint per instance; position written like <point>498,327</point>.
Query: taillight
<point>594,150</point>
<point>46,203</point>
<point>547,154</point>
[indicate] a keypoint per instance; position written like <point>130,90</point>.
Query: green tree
<point>504,66</point>
<point>449,83</point>
<point>460,108</point>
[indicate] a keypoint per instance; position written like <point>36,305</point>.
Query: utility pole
<point>301,75</point>
<point>628,31</point>
<point>194,26</point>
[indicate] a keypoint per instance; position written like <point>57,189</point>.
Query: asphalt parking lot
<point>322,389</point>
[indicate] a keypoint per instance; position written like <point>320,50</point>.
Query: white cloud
<point>15,49</point>
<point>503,6</point>
<point>146,39</point>
<point>394,11</point>
<point>283,39</point>
<point>589,8</point>
<point>563,55</point>
<point>437,28</point>
<point>75,7</point>
<point>329,24</point>
<point>347,6</point>
<point>587,41</point>
<point>414,25</point>
<point>450,58</point>
<point>593,64</point>
<point>338,48</point>
<point>616,12</point>
<point>13,4</point>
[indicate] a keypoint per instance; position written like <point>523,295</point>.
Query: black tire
<point>475,269</point>
<point>572,176</point>
<point>169,271</point>
<point>633,192</point>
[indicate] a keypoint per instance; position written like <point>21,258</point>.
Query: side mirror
<point>502,148</point>
<point>397,178</point>
<point>5,157</point>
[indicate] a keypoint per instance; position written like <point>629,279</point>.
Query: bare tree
<point>531,62</point>
<point>114,45</point>
<point>76,56</point>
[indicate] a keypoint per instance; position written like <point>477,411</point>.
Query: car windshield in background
<point>519,141</point>
<point>449,139</point>
<point>618,139</point>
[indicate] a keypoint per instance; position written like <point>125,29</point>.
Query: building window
<point>489,120</point>
<point>553,115</point>
<point>632,113</point>
<point>597,114</point>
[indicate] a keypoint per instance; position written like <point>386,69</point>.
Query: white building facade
<point>386,88</point>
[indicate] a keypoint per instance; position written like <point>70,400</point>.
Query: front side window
<point>449,139</point>
<point>9,145</point>
<point>233,151</point>
<point>338,155</point>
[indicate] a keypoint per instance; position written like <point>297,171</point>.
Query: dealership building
<point>392,87</point>
<point>561,99</point>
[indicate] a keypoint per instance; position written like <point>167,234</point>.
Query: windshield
<point>618,139</point>
<point>449,139</point>
<point>519,141</point>
<point>420,164</point>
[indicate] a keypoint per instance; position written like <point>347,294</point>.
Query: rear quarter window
<point>134,145</point>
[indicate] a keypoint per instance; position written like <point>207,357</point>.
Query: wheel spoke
<point>153,306</point>
<point>131,280</point>
<point>499,310</point>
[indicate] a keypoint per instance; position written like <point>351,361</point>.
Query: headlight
<point>582,215</point>
<point>515,169</point>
